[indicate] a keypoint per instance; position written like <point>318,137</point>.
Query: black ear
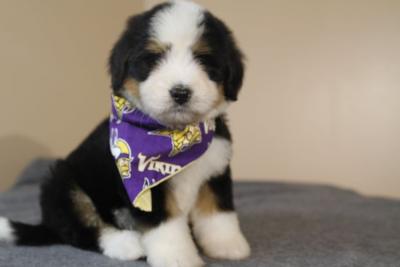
<point>221,39</point>
<point>118,63</point>
<point>234,72</point>
<point>124,48</point>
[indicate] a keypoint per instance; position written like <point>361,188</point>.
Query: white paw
<point>227,247</point>
<point>171,245</point>
<point>220,237</point>
<point>6,230</point>
<point>121,245</point>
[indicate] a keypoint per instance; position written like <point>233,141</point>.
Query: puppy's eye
<point>210,65</point>
<point>215,74</point>
<point>141,66</point>
<point>149,58</point>
<point>205,59</point>
<point>208,60</point>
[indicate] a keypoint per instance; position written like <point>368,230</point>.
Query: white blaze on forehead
<point>179,24</point>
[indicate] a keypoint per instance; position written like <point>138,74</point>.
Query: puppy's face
<point>177,63</point>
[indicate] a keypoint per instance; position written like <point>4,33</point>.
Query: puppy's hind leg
<point>112,242</point>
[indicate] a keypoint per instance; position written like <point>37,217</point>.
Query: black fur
<point>34,235</point>
<point>221,187</point>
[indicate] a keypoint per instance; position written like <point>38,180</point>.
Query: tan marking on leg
<point>86,210</point>
<point>206,202</point>
<point>156,47</point>
<point>172,207</point>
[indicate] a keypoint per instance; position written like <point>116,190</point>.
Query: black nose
<point>180,94</point>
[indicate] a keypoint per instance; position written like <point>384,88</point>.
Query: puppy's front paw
<point>220,237</point>
<point>121,245</point>
<point>171,245</point>
<point>234,247</point>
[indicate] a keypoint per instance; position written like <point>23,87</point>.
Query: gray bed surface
<point>287,225</point>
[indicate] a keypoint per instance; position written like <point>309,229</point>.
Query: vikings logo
<point>122,106</point>
<point>122,153</point>
<point>181,139</point>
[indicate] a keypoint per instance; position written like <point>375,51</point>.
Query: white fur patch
<point>178,24</point>
<point>121,245</point>
<point>186,184</point>
<point>6,231</point>
<point>171,245</point>
<point>220,236</point>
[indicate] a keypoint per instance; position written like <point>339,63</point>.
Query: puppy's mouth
<point>179,117</point>
<point>174,116</point>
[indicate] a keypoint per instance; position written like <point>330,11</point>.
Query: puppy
<point>177,67</point>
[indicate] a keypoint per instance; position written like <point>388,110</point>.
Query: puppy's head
<point>177,63</point>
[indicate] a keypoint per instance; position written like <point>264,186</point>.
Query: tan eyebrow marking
<point>201,47</point>
<point>156,47</point>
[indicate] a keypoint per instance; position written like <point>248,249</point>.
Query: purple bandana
<point>147,153</point>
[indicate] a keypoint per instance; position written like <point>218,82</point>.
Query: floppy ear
<point>234,72</point>
<point>128,44</point>
<point>233,67</point>
<point>118,63</point>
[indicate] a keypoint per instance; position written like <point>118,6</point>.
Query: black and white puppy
<point>84,203</point>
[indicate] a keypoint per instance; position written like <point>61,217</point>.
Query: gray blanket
<point>286,224</point>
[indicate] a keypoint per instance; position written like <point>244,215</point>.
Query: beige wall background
<point>54,85</point>
<point>321,100</point>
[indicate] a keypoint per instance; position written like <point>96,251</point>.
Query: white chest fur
<point>186,184</point>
